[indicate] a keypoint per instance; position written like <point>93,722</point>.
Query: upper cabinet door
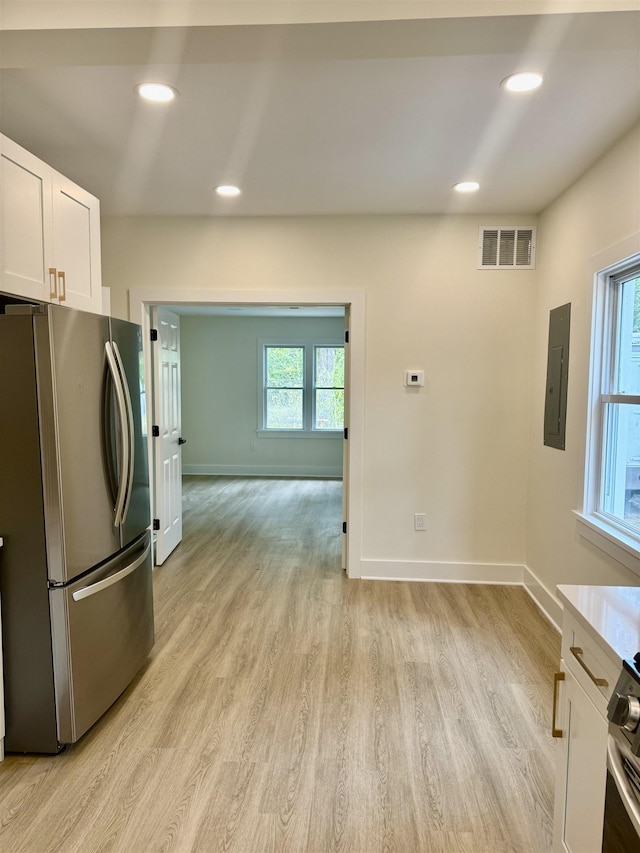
<point>25,217</point>
<point>76,246</point>
<point>49,233</point>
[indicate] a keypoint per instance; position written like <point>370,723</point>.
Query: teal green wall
<point>220,398</point>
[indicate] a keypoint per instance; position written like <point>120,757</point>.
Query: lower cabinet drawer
<point>593,670</point>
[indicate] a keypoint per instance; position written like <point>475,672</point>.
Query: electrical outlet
<point>419,521</point>
<point>252,446</point>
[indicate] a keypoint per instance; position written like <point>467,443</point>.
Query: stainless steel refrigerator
<point>75,570</point>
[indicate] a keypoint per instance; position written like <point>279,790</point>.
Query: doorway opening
<point>142,303</point>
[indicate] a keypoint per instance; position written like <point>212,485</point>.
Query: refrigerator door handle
<point>94,588</point>
<point>124,431</point>
<point>130,431</point>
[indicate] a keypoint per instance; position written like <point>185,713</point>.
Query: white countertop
<point>611,612</point>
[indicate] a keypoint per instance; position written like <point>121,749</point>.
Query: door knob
<point>182,440</point>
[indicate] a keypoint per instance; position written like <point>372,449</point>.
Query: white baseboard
<point>546,600</point>
<point>427,570</point>
<point>264,470</point>
<point>490,573</point>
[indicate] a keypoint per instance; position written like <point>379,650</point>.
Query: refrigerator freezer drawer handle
<point>93,588</point>
<point>124,432</point>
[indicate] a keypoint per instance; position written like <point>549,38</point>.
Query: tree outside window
<point>303,387</point>
<point>329,388</point>
<point>284,387</point>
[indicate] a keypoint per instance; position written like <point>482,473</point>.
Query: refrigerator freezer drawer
<point>102,635</point>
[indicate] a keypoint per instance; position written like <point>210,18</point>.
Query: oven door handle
<point>616,768</point>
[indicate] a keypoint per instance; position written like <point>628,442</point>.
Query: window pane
<point>284,367</point>
<point>621,463</point>
<point>329,408</point>
<point>329,367</point>
<point>627,339</point>
<point>284,408</point>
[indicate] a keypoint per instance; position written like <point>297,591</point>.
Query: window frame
<point>309,346</point>
<point>600,527</point>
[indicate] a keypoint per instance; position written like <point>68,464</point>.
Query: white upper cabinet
<point>76,246</point>
<point>25,187</point>
<point>50,231</point>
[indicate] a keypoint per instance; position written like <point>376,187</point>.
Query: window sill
<point>299,433</point>
<point>617,544</point>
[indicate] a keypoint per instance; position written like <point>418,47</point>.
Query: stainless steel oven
<point>621,832</point>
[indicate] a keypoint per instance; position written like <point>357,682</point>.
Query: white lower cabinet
<point>581,771</point>
<point>49,233</point>
<point>589,672</point>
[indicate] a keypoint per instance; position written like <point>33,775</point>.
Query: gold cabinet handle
<point>53,283</point>
<point>577,652</point>
<point>557,678</point>
<point>63,285</point>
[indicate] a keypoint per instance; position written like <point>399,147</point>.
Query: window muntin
<point>618,498</point>
<point>302,387</point>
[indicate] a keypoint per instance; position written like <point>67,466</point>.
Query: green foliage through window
<point>329,387</point>
<point>285,367</point>
<point>303,387</point>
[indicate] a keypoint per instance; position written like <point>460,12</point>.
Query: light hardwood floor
<point>286,708</point>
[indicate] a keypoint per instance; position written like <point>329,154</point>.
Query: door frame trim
<point>142,300</point>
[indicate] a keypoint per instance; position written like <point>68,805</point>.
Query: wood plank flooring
<point>286,708</point>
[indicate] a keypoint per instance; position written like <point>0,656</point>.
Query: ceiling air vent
<point>507,249</point>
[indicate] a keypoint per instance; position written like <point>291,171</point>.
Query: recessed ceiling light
<point>523,81</point>
<point>228,191</point>
<point>159,92</point>
<point>466,187</point>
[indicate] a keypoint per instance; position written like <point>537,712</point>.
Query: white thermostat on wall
<point>414,377</point>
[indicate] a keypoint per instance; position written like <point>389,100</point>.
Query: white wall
<point>56,14</point>
<point>456,449</point>
<point>220,381</point>
<point>578,234</point>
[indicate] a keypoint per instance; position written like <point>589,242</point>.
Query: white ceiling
<point>326,118</point>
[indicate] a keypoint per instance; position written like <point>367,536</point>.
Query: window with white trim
<point>612,494</point>
<point>302,387</point>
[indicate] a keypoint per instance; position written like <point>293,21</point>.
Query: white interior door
<point>345,443</point>
<point>168,442</point>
